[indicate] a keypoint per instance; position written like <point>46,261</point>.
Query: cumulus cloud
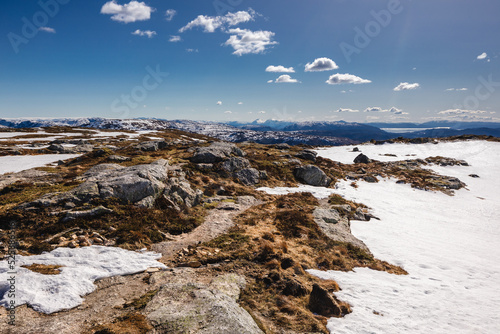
<point>131,12</point>
<point>341,110</point>
<point>192,50</point>
<point>285,78</point>
<point>148,33</point>
<point>174,38</point>
<point>169,14</point>
<point>280,69</point>
<point>47,29</point>
<point>347,78</point>
<point>482,56</point>
<point>392,110</point>
<point>245,41</point>
<point>240,102</point>
<point>406,86</point>
<point>321,64</point>
<point>219,103</point>
<point>270,81</point>
<point>211,23</point>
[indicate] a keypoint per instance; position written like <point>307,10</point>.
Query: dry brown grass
<point>44,269</point>
<point>272,245</point>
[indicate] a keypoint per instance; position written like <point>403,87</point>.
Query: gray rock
<point>131,184</point>
<point>216,152</point>
<point>282,146</point>
<point>248,176</point>
<point>152,146</point>
<point>307,155</point>
<point>370,179</point>
<point>179,191</point>
<point>82,148</point>
<point>201,308</point>
<point>99,211</point>
<point>312,175</point>
<point>118,158</point>
<point>362,159</point>
<point>336,227</point>
<point>234,164</point>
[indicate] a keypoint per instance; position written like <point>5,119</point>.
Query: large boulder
<point>337,227</point>
<point>152,146</point>
<point>307,155</point>
<point>216,152</point>
<point>234,164</point>
<point>131,184</point>
<point>194,307</point>
<point>362,159</point>
<point>312,175</point>
<point>179,193</point>
<point>248,176</point>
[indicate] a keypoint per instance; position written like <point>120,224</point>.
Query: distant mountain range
<point>273,131</point>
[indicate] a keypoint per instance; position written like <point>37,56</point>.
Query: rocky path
<point>217,222</point>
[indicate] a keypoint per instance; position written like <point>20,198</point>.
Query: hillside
<point>229,248</point>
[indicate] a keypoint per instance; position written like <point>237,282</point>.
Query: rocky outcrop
<point>336,227</point>
<point>234,164</point>
<point>307,155</point>
<point>312,175</point>
<point>216,152</point>
<point>201,308</point>
<point>179,194</point>
<point>152,146</point>
<point>71,148</point>
<point>248,176</point>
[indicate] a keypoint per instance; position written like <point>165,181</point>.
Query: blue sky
<point>366,60</point>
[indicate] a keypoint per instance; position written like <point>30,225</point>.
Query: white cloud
<point>346,91</point>
<point>392,110</point>
<point>219,103</point>
<point>211,23</point>
<point>228,112</point>
<point>245,41</point>
<point>340,110</point>
<point>454,112</point>
<point>169,14</point>
<point>47,29</point>
<point>192,50</point>
<point>148,33</point>
<point>131,12</point>
<point>240,102</point>
<point>455,89</point>
<point>261,112</point>
<point>280,69</point>
<point>321,64</point>
<point>406,86</point>
<point>285,78</point>
<point>174,38</point>
<point>482,56</point>
<point>347,78</point>
<point>270,81</point>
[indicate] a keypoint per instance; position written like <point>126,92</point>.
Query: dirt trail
<point>217,222</point>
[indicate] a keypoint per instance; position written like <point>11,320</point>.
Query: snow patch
<point>81,267</point>
<point>18,163</point>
